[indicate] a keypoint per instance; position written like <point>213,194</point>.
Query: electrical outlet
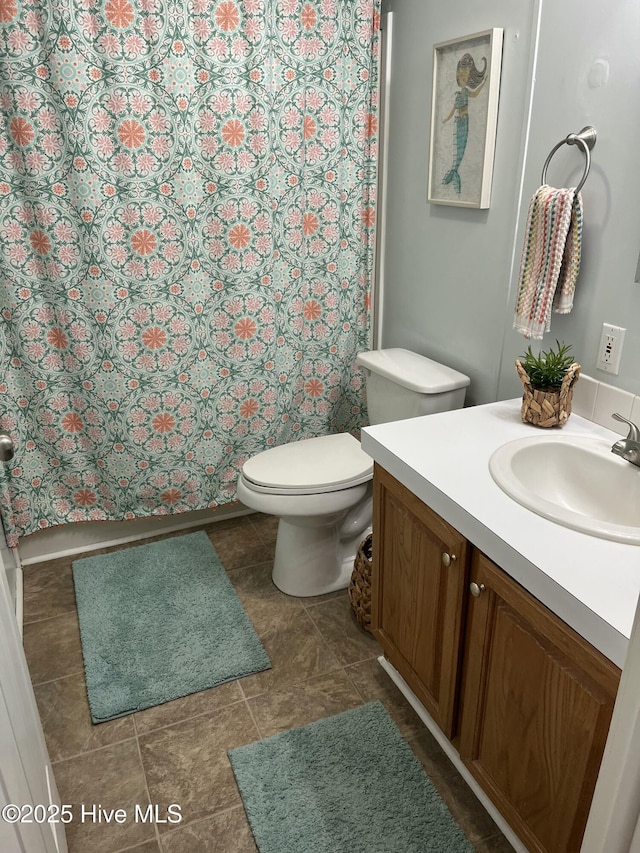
<point>610,348</point>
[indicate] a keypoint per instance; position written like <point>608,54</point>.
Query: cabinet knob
<point>476,589</point>
<point>447,559</point>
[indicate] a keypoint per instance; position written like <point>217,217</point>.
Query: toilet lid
<point>313,465</point>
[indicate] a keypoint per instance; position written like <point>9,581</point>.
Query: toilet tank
<point>402,384</point>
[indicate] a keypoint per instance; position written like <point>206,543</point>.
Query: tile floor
<point>323,663</point>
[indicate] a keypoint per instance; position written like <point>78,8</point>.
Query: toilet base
<point>314,559</point>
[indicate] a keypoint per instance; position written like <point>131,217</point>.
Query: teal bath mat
<point>160,621</point>
<point>345,783</point>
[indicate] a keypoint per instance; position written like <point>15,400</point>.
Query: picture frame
<point>464,117</point>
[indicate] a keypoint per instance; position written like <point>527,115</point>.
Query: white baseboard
<point>452,753</point>
<point>69,539</point>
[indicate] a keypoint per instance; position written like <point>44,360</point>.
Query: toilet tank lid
<point>413,371</point>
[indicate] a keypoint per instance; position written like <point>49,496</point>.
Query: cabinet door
<point>418,589</point>
<point>537,705</point>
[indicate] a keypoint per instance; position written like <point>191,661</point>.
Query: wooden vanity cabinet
<point>527,701</point>
<point>418,595</point>
<point>538,700</point>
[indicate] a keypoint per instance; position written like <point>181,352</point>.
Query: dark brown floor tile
<point>64,711</point>
<point>251,582</point>
<point>48,590</point>
<point>240,546</point>
<point>310,700</point>
<point>496,844</point>
<point>202,702</point>
<point>187,763</point>
<point>312,600</point>
<point>266,526</point>
<point>113,778</point>
<point>147,847</point>
<point>229,523</point>
<point>228,832</point>
<point>338,626</point>
<point>52,648</point>
<point>374,683</point>
<point>463,804</point>
<point>291,640</point>
<point>265,611</point>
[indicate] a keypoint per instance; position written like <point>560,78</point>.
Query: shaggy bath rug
<point>160,621</point>
<point>345,783</point>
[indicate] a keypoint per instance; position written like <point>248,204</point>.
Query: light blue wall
<point>450,273</point>
<point>577,44</point>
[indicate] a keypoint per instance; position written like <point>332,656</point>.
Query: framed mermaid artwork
<point>464,115</point>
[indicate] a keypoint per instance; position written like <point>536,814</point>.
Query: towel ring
<point>586,139</point>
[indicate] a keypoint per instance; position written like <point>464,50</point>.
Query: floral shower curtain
<point>187,205</point>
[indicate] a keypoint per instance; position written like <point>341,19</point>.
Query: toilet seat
<point>308,467</point>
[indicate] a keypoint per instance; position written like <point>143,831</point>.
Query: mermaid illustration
<point>470,81</point>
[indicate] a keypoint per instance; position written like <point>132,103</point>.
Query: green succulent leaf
<point>546,370</point>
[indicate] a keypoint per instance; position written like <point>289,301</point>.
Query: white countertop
<point>591,583</point>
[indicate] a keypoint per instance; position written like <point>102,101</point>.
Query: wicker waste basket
<point>360,586</point>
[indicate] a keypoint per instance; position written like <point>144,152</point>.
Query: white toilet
<point>321,487</point>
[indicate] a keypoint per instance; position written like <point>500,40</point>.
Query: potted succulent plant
<point>548,380</point>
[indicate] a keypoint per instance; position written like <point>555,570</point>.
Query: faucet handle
<point>634,432</point>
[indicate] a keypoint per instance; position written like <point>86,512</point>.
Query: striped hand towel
<point>550,259</point>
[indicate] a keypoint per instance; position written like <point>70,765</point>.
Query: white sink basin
<point>574,481</point>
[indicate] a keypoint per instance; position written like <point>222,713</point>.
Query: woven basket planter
<point>547,408</point>
<point>360,585</point>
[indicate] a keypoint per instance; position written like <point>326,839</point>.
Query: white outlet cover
<point>611,365</point>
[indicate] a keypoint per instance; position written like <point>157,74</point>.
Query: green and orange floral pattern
<point>187,215</point>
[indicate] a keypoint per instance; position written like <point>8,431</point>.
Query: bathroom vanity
<point>505,630</point>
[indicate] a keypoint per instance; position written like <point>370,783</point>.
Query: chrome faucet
<point>628,448</point>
